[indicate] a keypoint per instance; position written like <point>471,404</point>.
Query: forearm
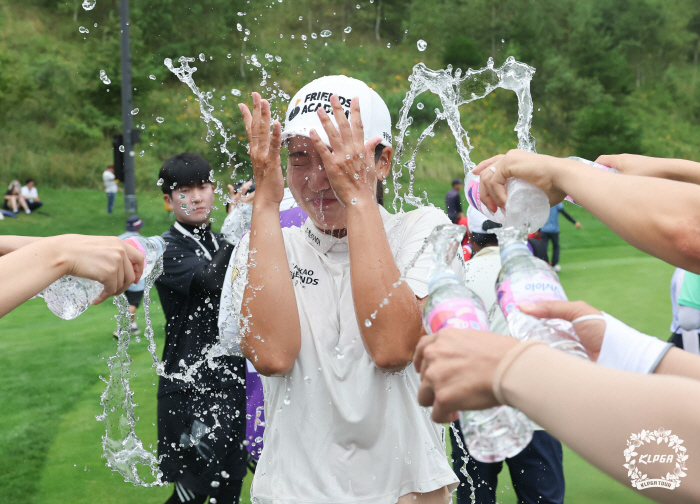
<point>568,217</point>
<point>657,216</point>
<point>28,271</point>
<point>11,243</point>
<point>681,170</point>
<point>395,328</point>
<point>594,410</point>
<point>270,327</point>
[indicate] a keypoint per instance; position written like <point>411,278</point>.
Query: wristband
<point>627,349</point>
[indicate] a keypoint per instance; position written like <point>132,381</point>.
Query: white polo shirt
<point>481,272</point>
<point>338,429</point>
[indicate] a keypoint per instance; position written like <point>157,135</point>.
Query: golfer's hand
<point>264,151</point>
<point>536,169</point>
<point>349,162</point>
<point>590,332</point>
<point>457,367</point>
<point>107,259</point>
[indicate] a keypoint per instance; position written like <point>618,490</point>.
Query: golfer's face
<point>308,181</point>
<point>192,204</point>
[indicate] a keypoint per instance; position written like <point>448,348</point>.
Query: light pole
<point>130,204</point>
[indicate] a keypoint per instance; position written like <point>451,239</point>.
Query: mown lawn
<point>50,442</point>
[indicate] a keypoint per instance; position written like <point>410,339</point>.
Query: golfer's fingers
<point>420,350</point>
<point>426,394</point>
<point>136,262</point>
<point>609,161</point>
<point>276,140</point>
<point>264,131</point>
<point>358,129</point>
<point>342,121</point>
<point>247,120</point>
<point>443,409</point>
<point>497,186</point>
<point>322,149</point>
<point>565,310</point>
<point>334,137</point>
<point>484,194</point>
<point>486,163</point>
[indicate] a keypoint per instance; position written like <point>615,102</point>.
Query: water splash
<point>422,45</point>
<point>104,78</point>
<point>88,5</point>
<point>121,446</point>
<point>455,90</point>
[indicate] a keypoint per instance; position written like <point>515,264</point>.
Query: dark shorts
<point>200,435</point>
<point>134,298</point>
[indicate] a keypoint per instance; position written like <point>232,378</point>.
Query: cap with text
<point>302,116</point>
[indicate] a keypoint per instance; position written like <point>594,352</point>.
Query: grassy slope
<point>49,368</point>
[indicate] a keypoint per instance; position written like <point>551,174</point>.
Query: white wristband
<point>627,349</point>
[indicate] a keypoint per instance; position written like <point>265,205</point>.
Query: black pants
<point>33,205</point>
<point>555,245</point>
<point>537,472</point>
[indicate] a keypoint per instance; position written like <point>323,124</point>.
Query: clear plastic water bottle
<point>70,296</point>
<point>526,203</point>
<point>526,279</point>
<point>497,433</point>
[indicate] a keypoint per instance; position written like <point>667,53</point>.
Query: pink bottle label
<point>531,290</point>
<point>458,314</point>
<point>473,195</point>
<point>138,245</point>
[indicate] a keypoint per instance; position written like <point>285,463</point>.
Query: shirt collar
<point>487,251</point>
<point>323,242</point>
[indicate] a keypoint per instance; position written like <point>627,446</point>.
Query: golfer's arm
<point>660,217</point>
<point>28,271</point>
<point>594,410</point>
<point>11,243</point>
<point>393,335</point>
<point>680,170</point>
<point>270,329</point>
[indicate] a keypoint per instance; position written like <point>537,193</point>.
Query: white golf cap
<point>302,116</point>
<point>477,221</point>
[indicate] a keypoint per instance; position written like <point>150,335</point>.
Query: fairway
<point>50,442</point>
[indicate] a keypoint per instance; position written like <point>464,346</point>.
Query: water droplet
<point>142,153</point>
<point>224,475</point>
<point>301,18</point>
<point>246,31</point>
<point>159,119</point>
<point>135,111</point>
<point>104,78</point>
<point>368,323</point>
<point>228,55</point>
<point>183,206</point>
<point>419,106</point>
<point>353,201</point>
<point>212,500</point>
<point>303,37</point>
<point>348,29</point>
<point>313,36</point>
<point>160,182</point>
<point>202,57</point>
<point>182,195</point>
<point>388,46</point>
<point>82,29</point>
<point>152,77</point>
<point>347,156</point>
<point>358,6</point>
<point>326,33</point>
<point>236,92</point>
<point>122,148</point>
<point>386,190</point>
<point>357,176</point>
<point>239,27</point>
<point>422,45</point>
<point>89,4</point>
<point>278,58</point>
<point>215,484</point>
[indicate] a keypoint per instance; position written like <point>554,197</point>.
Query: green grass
<point>50,442</point>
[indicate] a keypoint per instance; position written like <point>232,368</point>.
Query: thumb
<point>607,160</point>
<point>565,310</point>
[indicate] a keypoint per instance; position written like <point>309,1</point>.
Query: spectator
<point>194,266</point>
<point>14,199</point>
<point>538,246</point>
<point>453,201</point>
<point>550,231</point>
<point>688,310</point>
<point>111,187</point>
<point>31,195</point>
<point>537,472</point>
<point>134,294</point>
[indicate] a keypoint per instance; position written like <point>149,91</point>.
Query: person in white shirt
<point>326,318</point>
<point>111,187</point>
<point>31,195</point>
<point>537,472</point>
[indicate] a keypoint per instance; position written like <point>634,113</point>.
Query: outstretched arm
<point>30,269</point>
<point>270,328</point>
<point>657,216</point>
<point>392,336</point>
<point>681,170</point>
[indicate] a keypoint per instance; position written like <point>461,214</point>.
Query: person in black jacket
<point>201,399</point>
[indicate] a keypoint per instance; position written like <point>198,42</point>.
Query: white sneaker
<point>27,212</point>
<point>15,210</point>
<point>557,268</point>
<point>135,329</point>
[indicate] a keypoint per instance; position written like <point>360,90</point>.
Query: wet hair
<point>186,169</point>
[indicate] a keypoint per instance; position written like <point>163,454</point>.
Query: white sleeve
<point>236,223</point>
<point>231,297</point>
<point>688,318</point>
<point>418,226</point>
<point>24,192</point>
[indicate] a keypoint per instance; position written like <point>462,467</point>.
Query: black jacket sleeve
<point>569,217</point>
<point>210,278</point>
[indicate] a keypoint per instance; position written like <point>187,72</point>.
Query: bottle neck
<point>516,249</point>
<point>441,279</point>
